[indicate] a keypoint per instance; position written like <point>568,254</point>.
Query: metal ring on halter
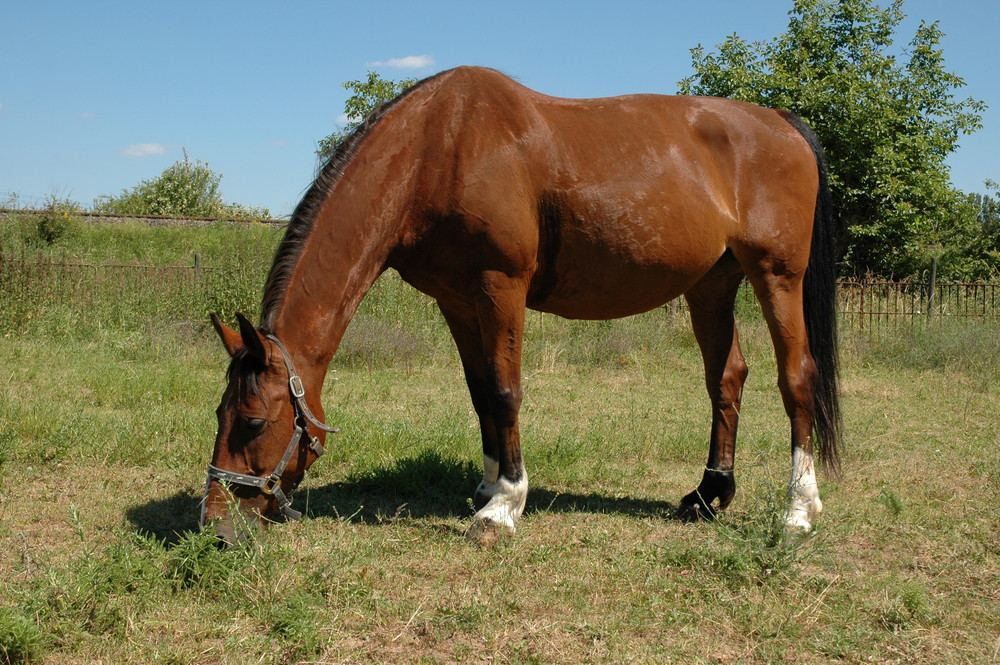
<point>271,484</point>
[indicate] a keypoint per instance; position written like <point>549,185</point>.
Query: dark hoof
<point>694,509</point>
<point>715,486</point>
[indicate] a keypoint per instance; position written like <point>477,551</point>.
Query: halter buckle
<point>271,483</point>
<point>298,389</point>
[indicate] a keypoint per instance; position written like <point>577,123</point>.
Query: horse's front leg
<point>489,337</point>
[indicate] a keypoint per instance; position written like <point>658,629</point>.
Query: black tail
<point>820,304</point>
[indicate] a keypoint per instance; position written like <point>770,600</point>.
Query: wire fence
<point>121,292</point>
<point>43,295</point>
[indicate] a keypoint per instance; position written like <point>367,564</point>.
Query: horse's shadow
<point>426,486</point>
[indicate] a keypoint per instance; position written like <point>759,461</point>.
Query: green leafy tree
<point>888,119</point>
<point>975,251</point>
<point>187,188</point>
<point>367,96</point>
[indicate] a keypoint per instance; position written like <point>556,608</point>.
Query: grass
<point>105,432</point>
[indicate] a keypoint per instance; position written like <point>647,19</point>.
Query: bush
<point>188,188</point>
<point>57,222</point>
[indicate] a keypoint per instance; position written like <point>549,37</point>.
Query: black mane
<point>304,217</point>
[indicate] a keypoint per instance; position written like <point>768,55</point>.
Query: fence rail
<point>150,220</point>
<point>872,305</point>
<point>866,305</point>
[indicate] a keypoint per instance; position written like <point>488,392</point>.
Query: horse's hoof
<point>485,532</point>
<point>694,509</point>
<point>801,513</point>
<point>692,512</point>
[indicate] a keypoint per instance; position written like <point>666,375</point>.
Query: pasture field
<point>106,427</point>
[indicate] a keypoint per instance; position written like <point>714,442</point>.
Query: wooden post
<point>930,289</point>
<point>197,266</point>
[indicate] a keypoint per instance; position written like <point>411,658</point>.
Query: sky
<point>97,96</point>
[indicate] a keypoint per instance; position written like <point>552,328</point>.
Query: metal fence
<point>865,305</point>
<point>872,305</point>
<point>83,283</point>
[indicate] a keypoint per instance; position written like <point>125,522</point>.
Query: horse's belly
<point>612,288</point>
<point>614,250</point>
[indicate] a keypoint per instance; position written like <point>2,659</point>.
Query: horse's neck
<point>346,251</point>
<point>357,226</point>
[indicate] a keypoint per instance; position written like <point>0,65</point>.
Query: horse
<point>492,198</point>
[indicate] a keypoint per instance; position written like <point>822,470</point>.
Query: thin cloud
<point>144,149</point>
<point>409,62</point>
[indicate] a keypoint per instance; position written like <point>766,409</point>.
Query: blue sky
<point>96,96</point>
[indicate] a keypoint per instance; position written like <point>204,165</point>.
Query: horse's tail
<point>820,304</point>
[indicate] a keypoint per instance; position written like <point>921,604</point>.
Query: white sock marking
<point>491,472</point>
<point>803,493</point>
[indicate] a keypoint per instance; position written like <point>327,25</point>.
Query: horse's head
<point>264,444</point>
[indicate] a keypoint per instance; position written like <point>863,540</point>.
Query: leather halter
<point>271,484</point>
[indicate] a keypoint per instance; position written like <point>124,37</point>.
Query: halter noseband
<point>272,484</point>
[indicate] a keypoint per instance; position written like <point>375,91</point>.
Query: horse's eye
<point>254,425</point>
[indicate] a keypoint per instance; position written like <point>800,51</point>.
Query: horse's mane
<point>303,219</point>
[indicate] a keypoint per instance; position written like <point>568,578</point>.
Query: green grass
<point>105,431</point>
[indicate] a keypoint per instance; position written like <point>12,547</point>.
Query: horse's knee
<point>737,371</point>
<point>504,401</point>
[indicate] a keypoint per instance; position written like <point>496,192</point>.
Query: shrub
<point>188,188</point>
<point>55,223</point>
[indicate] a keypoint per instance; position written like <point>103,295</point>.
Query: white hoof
<point>801,513</point>
<point>506,503</point>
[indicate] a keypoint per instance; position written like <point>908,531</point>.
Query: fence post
<point>197,266</point>
<point>930,289</point>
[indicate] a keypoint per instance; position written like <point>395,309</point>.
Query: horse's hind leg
<point>489,335</point>
<point>711,303</point>
<point>780,296</point>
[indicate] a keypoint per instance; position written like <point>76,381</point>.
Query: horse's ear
<point>230,338</point>
<point>252,339</point>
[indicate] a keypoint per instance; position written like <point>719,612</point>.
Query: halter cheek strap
<point>271,484</point>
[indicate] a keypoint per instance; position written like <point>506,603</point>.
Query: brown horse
<point>491,198</point>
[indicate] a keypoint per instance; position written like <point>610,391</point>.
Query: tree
<point>976,252</point>
<point>887,118</point>
<point>368,95</point>
<point>187,188</point>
